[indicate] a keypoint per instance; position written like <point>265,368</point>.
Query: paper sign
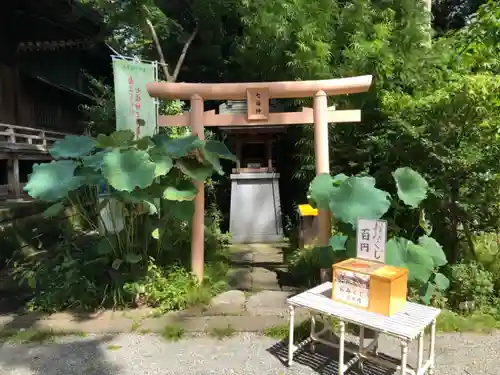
<point>135,109</point>
<point>352,287</point>
<point>371,239</point>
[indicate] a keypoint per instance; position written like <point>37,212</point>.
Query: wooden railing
<point>22,142</point>
<point>26,136</point>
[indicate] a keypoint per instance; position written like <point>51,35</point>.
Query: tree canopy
<point>433,105</point>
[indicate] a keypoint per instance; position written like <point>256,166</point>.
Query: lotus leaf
<point>337,242</point>
<point>194,169</point>
<point>53,181</point>
<point>128,169</point>
<point>72,146</point>
<point>411,186</point>
<point>118,138</point>
<point>321,190</point>
<point>357,197</point>
<point>176,147</point>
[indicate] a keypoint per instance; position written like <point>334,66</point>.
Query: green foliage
<point>149,183</point>
<point>173,332</point>
<point>123,164</point>
<point>470,282</point>
<point>353,198</point>
<point>357,197</point>
<point>171,289</point>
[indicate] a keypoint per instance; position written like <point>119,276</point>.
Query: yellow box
<point>308,226</point>
<point>369,285</point>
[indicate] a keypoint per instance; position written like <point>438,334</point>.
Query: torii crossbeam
<point>258,95</point>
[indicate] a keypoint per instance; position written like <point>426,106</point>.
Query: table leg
<point>290,335</point>
<point>341,346</point>
<point>375,349</point>
<point>313,330</point>
<point>432,348</point>
<point>361,346</point>
<point>420,360</point>
<point>404,356</point>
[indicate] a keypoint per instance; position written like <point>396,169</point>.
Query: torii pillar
<point>258,95</point>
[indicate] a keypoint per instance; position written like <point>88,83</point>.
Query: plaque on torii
<point>258,104</point>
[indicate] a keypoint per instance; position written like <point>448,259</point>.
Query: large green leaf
<point>419,255</point>
<point>400,252</point>
<point>89,176</point>
<point>220,149</point>
<point>214,161</point>
<point>321,189</point>
<point>144,143</point>
<point>395,252</point>
<point>339,178</point>
<point>412,187</point>
<point>118,138</point>
<point>176,147</point>
<point>420,264</point>
<point>95,161</point>
<point>441,281</point>
<point>184,192</point>
<point>53,181</point>
<point>434,250</point>
<point>194,169</point>
<point>128,169</point>
<point>72,146</point>
<point>337,242</point>
<point>357,197</point>
<point>163,164</point>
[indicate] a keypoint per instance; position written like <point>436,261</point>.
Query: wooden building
<point>45,48</point>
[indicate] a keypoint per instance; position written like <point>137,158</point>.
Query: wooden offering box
<point>369,285</point>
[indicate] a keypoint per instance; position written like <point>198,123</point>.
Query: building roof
<point>49,25</point>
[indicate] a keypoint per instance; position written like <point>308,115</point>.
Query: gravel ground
<point>245,354</point>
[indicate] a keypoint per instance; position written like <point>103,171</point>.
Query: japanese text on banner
<point>135,109</point>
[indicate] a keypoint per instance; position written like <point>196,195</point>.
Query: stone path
<point>258,267</point>
<point>242,311</point>
<point>258,301</point>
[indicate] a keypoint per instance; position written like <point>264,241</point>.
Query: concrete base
<point>255,208</point>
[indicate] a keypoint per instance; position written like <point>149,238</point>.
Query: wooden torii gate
<point>258,95</point>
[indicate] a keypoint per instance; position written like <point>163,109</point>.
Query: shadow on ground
<point>324,360</point>
<point>69,355</point>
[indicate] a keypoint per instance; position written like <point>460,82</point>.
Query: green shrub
<point>73,275</point>
<point>487,249</point>
<point>470,281</point>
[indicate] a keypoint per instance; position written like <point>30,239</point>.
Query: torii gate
<point>258,95</point>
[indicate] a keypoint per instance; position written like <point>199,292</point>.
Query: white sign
<point>352,287</point>
<point>371,239</point>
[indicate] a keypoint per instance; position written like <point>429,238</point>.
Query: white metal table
<point>406,325</point>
